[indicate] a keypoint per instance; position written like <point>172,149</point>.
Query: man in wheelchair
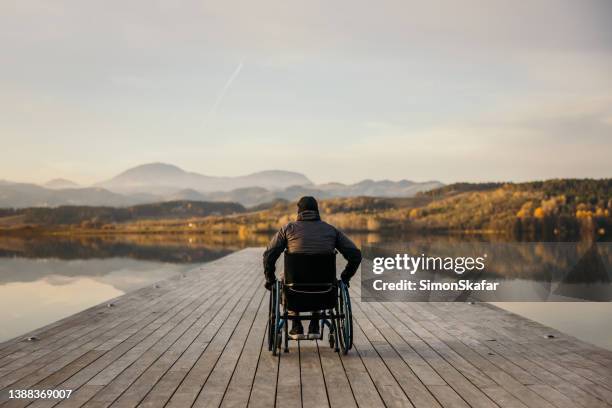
<point>310,236</point>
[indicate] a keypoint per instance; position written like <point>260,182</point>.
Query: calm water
<point>43,280</point>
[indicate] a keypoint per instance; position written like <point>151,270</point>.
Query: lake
<point>43,280</point>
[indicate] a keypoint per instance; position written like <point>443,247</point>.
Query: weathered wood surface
<point>199,340</point>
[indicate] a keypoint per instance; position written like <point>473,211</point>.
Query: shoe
<point>296,328</point>
<point>313,327</point>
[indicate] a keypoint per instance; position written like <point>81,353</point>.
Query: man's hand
<point>269,284</point>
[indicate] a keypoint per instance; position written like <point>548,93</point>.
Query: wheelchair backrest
<point>310,269</point>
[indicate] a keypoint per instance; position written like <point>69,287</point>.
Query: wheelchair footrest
<point>305,337</point>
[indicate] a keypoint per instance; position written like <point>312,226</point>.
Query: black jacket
<point>310,235</point>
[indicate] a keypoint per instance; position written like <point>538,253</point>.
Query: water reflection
<point>45,279</point>
<point>162,248</point>
<point>28,306</point>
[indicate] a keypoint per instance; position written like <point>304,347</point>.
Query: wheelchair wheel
<point>276,330</point>
<point>345,332</point>
<point>271,318</point>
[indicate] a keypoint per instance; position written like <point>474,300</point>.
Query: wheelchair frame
<point>339,321</point>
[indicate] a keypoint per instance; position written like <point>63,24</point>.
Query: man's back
<point>310,235</point>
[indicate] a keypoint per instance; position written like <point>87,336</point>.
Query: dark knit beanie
<point>307,203</point>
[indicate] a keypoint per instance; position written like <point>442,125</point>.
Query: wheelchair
<point>310,285</point>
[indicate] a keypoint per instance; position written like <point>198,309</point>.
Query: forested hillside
<point>99,216</point>
<point>553,209</point>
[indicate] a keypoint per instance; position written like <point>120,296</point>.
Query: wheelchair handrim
<point>346,321</point>
<point>277,329</point>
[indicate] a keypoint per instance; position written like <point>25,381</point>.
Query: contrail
<point>224,90</point>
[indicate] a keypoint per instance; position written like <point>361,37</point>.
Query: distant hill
<point>171,182</point>
<point>20,195</point>
<point>186,194</point>
<point>60,183</point>
<point>248,196</point>
<point>382,188</point>
<point>457,188</point>
<point>256,196</point>
<point>552,208</point>
<point>158,182</point>
<point>161,178</point>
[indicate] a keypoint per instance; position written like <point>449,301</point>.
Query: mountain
<point>161,178</point>
<point>274,179</point>
<point>255,196</point>
<point>382,188</point>
<point>248,196</point>
<point>186,194</point>
<point>20,195</point>
<point>160,182</point>
<point>60,183</point>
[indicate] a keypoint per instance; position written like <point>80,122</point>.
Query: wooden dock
<point>199,340</point>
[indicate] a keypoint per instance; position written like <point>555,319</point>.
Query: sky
<point>477,90</point>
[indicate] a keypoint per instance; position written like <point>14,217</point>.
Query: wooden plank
<point>517,390</point>
<point>370,323</point>
<point>121,380</point>
<point>447,397</point>
<point>213,391</point>
<point>388,388</point>
<point>339,391</point>
<point>362,385</point>
<point>426,374</point>
<point>518,355</point>
<point>288,386</point>
<point>163,382</point>
<point>195,379</point>
<point>428,348</point>
<point>502,360</point>
<point>314,392</point>
<point>126,384</point>
<point>239,388</point>
<point>552,395</point>
<point>263,390</point>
